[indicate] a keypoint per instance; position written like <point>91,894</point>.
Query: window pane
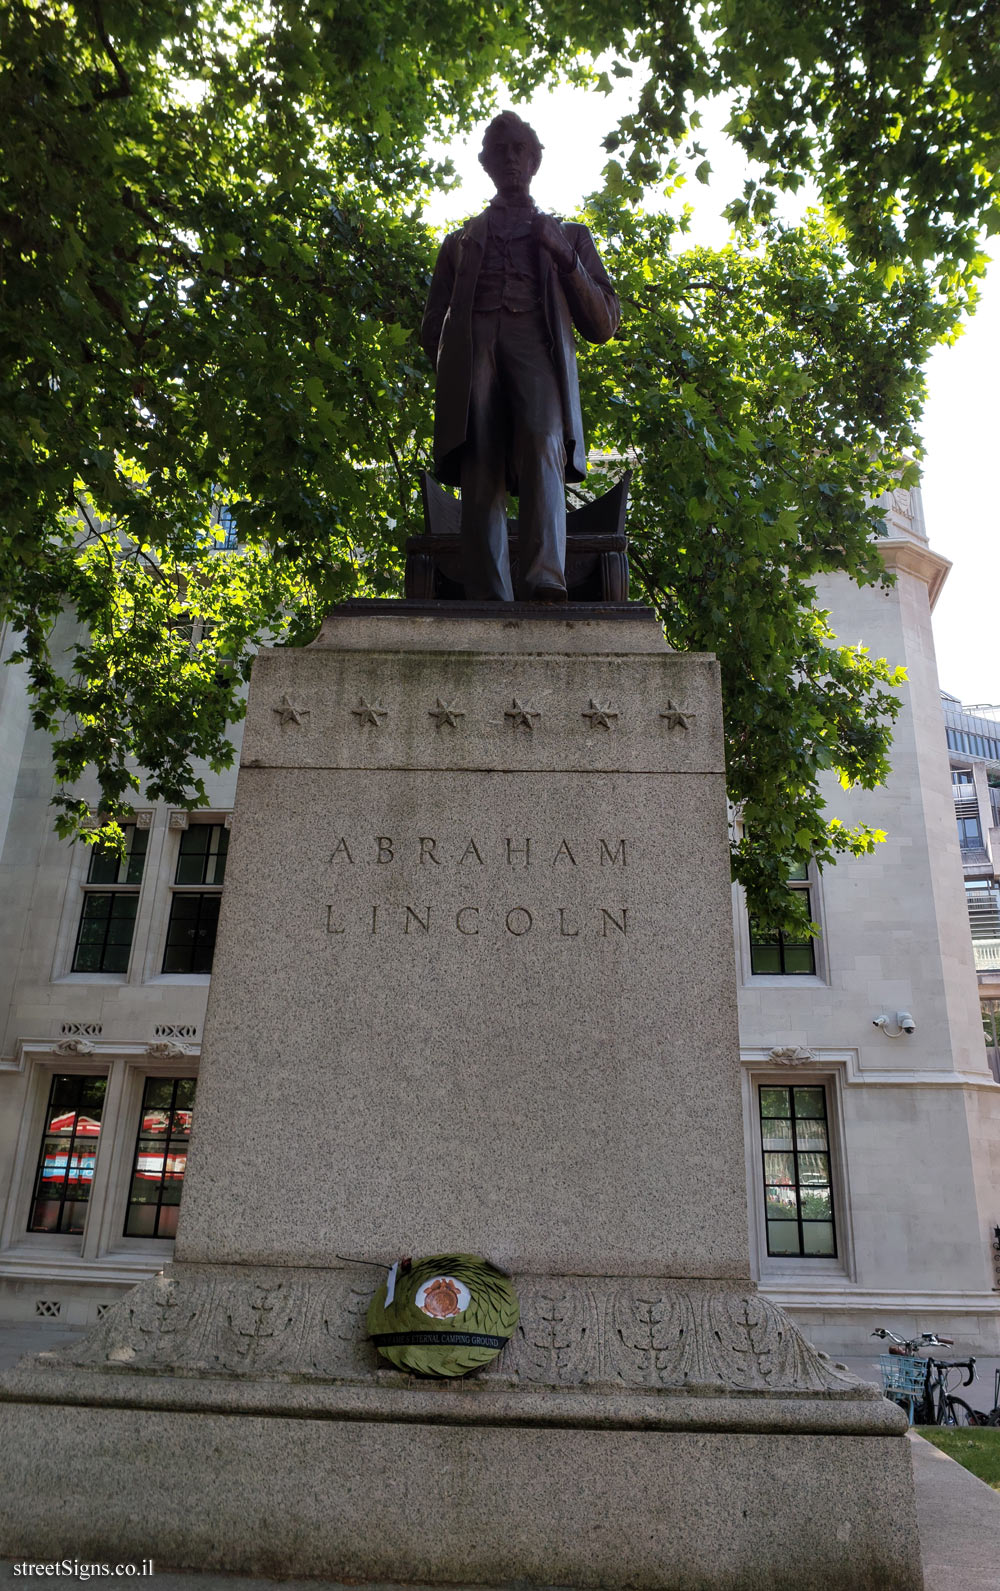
<point>141,1220</point>
<point>780,1169</point>
<point>810,1135</point>
<point>782,1204</point>
<point>814,1170</point>
<point>73,1216</point>
<point>167,1224</point>
<point>810,1102</point>
<point>777,1135</point>
<point>818,1238</point>
<point>103,867</point>
<point>775,1102</point>
<point>45,1216</point>
<point>799,958</point>
<point>815,1204</point>
<point>190,870</point>
<point>218,851</point>
<point>783,1237</point>
<point>159,1094</point>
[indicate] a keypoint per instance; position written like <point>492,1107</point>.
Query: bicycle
<point>923,1385</point>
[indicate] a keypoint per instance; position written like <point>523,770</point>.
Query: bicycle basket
<point>902,1373</point>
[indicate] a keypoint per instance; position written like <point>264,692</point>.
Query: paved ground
<point>959,1516</point>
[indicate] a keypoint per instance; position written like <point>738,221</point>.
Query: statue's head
<point>511,153</point>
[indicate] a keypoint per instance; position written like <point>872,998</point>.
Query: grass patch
<point>975,1447</point>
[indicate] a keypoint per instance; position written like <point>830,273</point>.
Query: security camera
<point>896,1025</point>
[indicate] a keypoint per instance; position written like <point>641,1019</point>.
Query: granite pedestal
<point>473,991</point>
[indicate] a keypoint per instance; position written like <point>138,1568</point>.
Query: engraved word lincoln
<point>507,291</point>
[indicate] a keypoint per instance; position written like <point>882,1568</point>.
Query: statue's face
<point>509,161</point>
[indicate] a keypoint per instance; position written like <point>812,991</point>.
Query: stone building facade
<point>872,1116</point>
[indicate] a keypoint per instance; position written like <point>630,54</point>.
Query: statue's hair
<point>509,121</point>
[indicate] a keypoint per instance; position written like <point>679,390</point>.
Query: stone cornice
<point>76,1049</point>
<point>912,558</point>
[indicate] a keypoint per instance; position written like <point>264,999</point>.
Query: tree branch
<point>124,87</point>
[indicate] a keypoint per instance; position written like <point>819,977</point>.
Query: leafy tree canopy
<point>213,267</point>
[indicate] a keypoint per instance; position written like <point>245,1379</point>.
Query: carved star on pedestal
<point>289,713</point>
<point>676,719</point>
<point>445,713</point>
<point>369,713</point>
<point>600,717</point>
<point>519,716</point>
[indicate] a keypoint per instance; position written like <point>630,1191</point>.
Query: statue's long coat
<point>583,298</point>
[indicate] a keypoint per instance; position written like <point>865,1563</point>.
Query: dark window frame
<point>798,1184</point>
<point>782,942</point>
<point>106,895</point>
<point>204,892</point>
<point>143,1143</point>
<point>70,1141</point>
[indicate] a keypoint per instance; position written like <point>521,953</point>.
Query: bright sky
<point>961,420</point>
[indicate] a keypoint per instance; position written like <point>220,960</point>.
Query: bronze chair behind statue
<point>596,548</point>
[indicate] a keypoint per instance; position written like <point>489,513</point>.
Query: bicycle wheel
<point>959,1413</point>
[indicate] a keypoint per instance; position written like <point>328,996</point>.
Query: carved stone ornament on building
<point>789,1055</point>
<point>289,713</point>
<point>166,1050</point>
<point>445,713</point>
<point>636,1334</point>
<point>144,820</point>
<point>600,717</point>
<point>520,716</point>
<point>178,820</point>
<point>676,718</point>
<point>369,713</point>
<point>73,1047</point>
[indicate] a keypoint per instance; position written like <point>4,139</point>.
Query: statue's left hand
<point>552,237</point>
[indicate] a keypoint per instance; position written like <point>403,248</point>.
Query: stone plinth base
<point>637,1432</point>
<point>367,1499</point>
